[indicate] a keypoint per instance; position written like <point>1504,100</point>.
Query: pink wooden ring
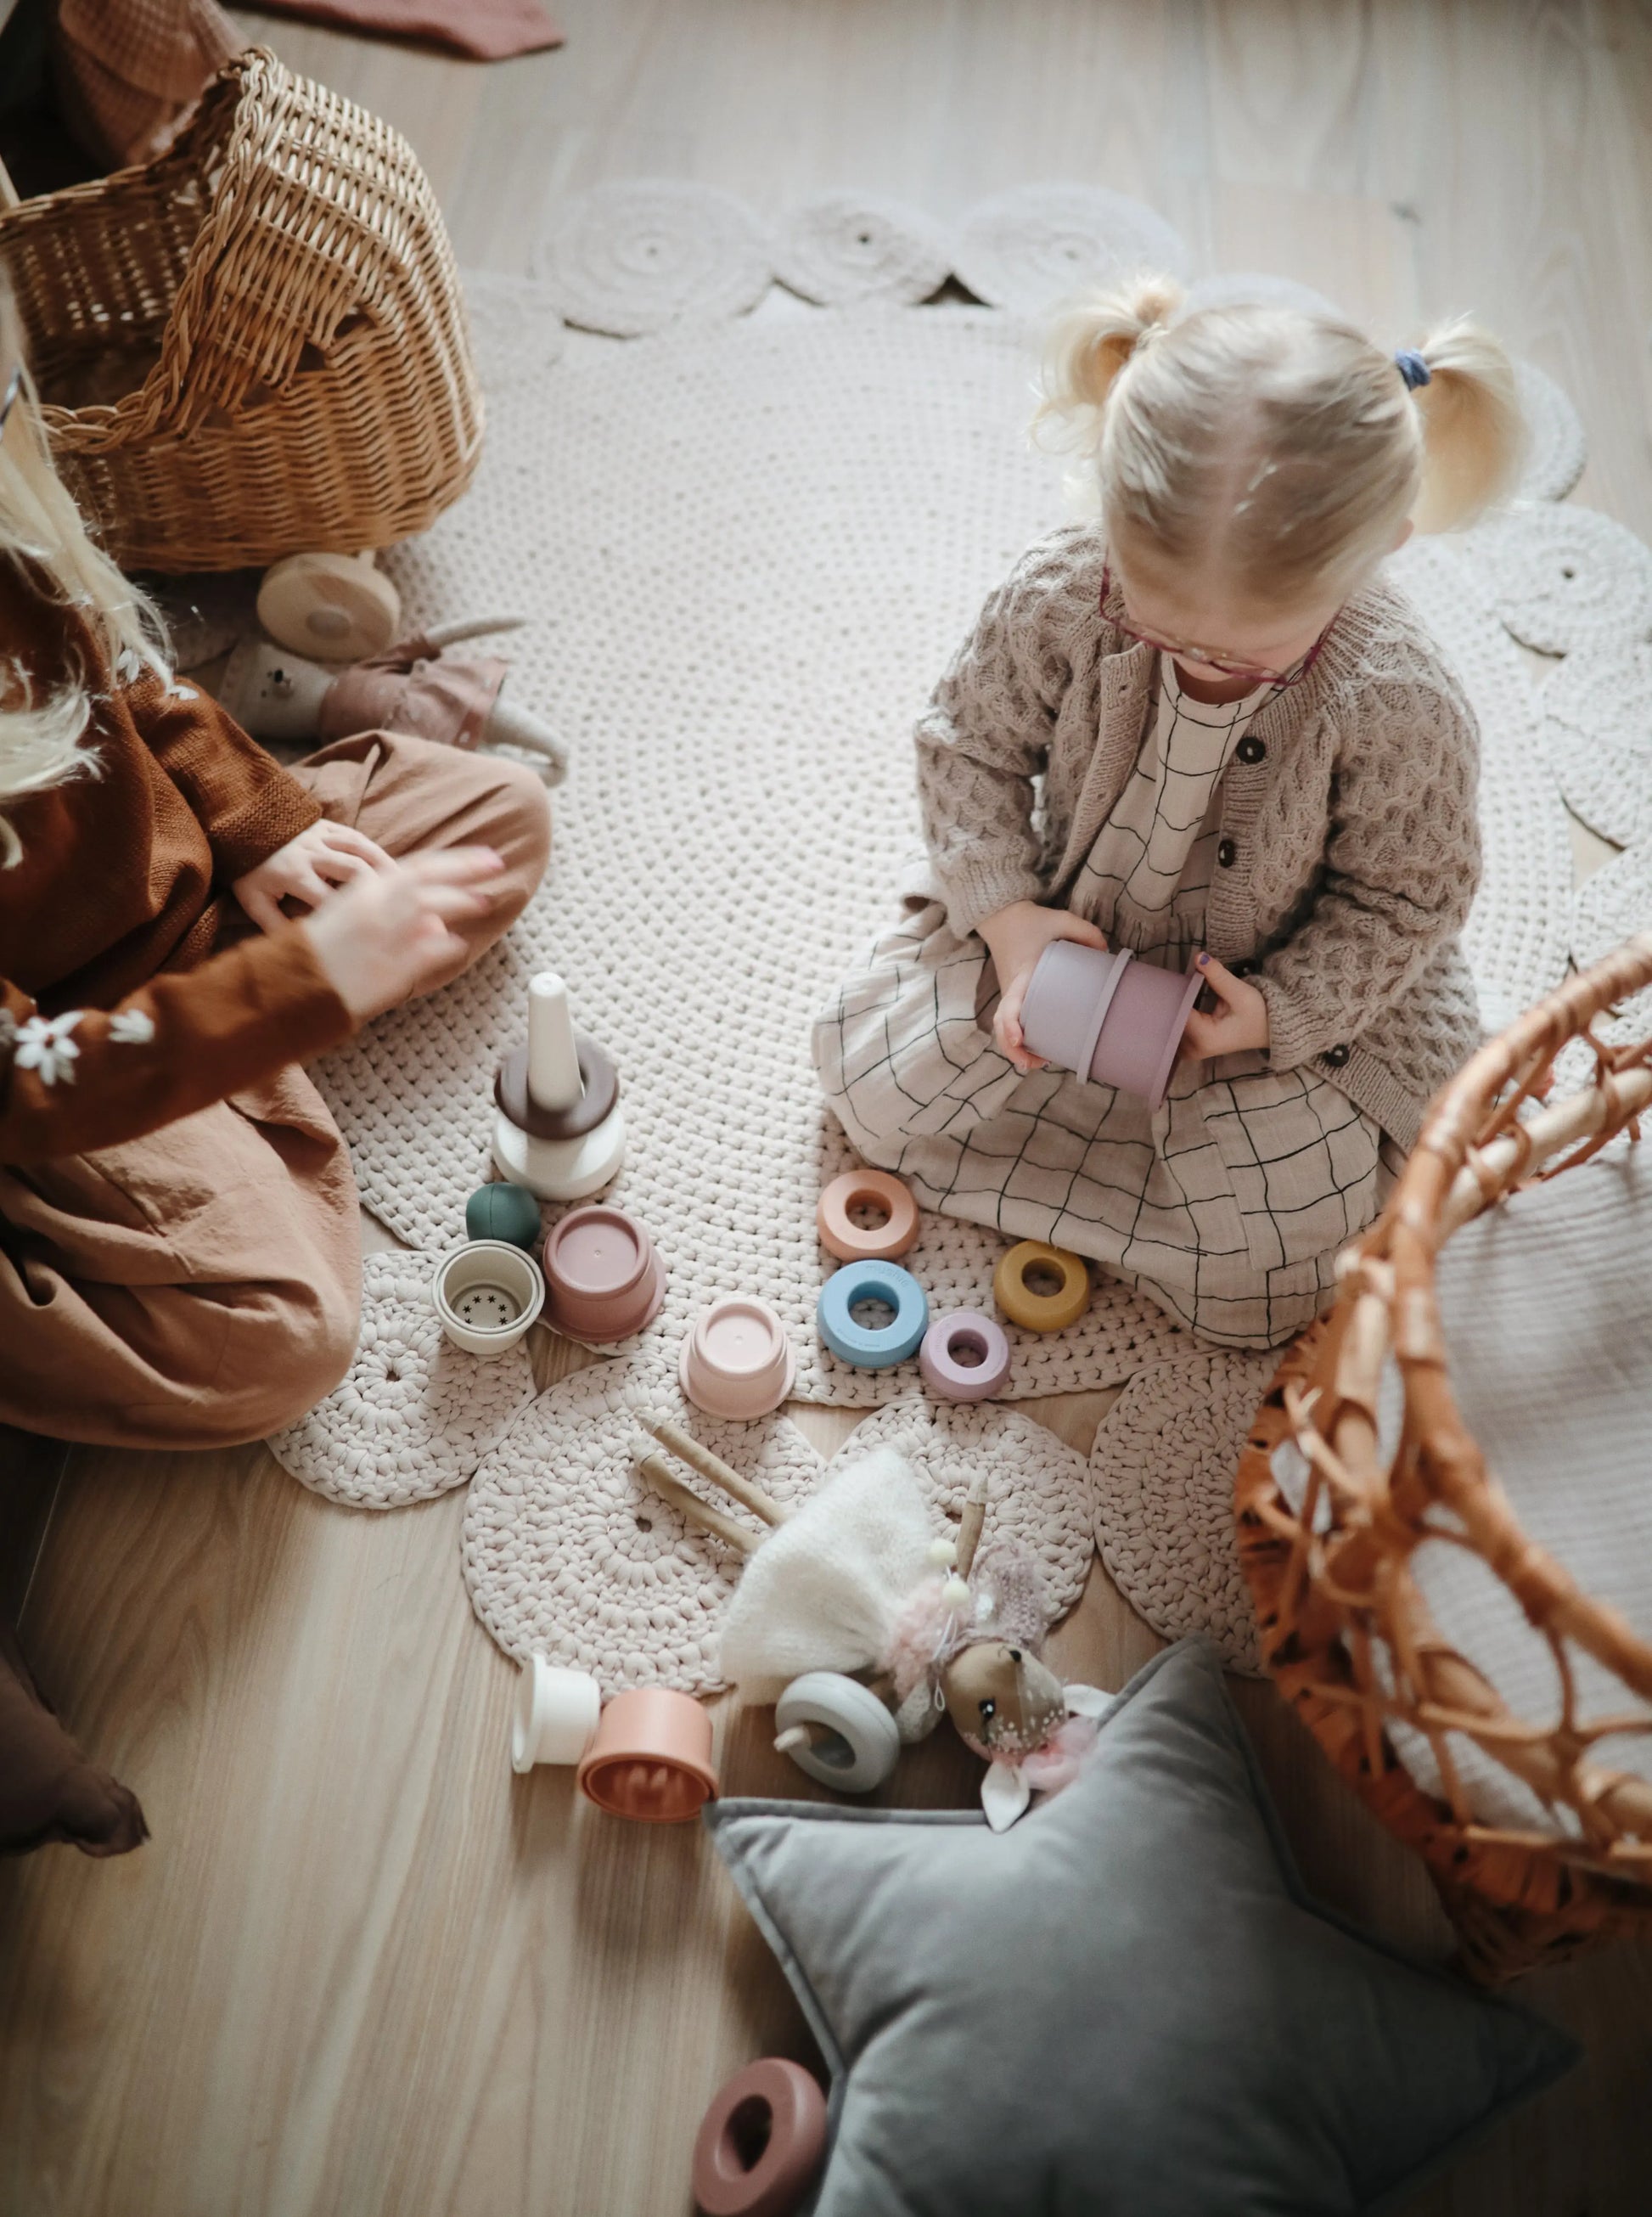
<point>965,1356</point>
<point>854,1242</point>
<point>761,2142</point>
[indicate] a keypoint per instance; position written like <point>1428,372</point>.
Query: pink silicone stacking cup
<point>651,1757</point>
<point>603,1275</point>
<point>736,1361</point>
<point>1111,1019</point>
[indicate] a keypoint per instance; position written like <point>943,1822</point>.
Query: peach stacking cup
<point>736,1362</point>
<point>604,1278</point>
<point>651,1757</point>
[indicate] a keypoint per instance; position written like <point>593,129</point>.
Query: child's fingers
<point>452,866</point>
<point>345,839</point>
<point>1079,927</point>
<point>340,867</point>
<point>262,907</point>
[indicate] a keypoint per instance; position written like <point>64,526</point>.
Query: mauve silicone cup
<point>736,1361</point>
<point>603,1275</point>
<point>1108,1016</point>
<point>651,1758</point>
<point>761,2142</point>
<point>965,1356</point>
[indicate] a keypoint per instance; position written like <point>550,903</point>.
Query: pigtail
<point>1089,345</point>
<point>1473,429</point>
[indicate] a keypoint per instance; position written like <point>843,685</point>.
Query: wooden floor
<point>361,1971</point>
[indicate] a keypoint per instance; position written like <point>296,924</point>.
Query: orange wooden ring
<point>761,2143</point>
<point>879,1243</point>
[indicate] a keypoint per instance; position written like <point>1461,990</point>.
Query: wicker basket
<point>255,345</point>
<point>1344,1628</point>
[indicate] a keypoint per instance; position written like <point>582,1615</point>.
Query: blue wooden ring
<point>871,1282</point>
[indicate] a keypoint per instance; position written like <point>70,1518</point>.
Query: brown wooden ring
<point>597,1075</point>
<point>879,1243</point>
<point>779,2104</point>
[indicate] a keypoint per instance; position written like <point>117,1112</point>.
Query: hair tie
<point>1412,367</point>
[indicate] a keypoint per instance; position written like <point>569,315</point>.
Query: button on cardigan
<point>1353,843</point>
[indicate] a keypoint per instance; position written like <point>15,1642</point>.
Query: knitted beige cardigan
<point>1348,851</point>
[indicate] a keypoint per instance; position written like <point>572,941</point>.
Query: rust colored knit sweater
<point>1349,847</point>
<point>132,990</point>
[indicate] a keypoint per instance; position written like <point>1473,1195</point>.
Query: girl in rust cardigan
<point>183,923</point>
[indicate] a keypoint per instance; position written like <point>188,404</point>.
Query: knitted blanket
<point>745,545</point>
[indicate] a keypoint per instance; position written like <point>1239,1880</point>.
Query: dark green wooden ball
<point>503,1212</point>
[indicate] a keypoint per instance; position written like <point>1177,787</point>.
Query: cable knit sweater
<point>1348,850</point>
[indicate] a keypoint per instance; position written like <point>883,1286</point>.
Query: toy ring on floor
<point>761,2142</point>
<point>850,1242</point>
<point>847,1737</point>
<point>1041,1311</point>
<point>866,1347</point>
<point>965,1356</point>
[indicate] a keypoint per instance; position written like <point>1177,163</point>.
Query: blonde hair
<point>1275,444</point>
<point>44,733</point>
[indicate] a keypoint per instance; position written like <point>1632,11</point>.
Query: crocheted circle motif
<point>1040,1486</point>
<point>1256,288</point>
<point>638,255</point>
<point>846,247</point>
<point>569,1553</point>
<point>416,1415</point>
<point>515,326</point>
<point>1161,1471</point>
<point>1557,449</point>
<point>1028,248</point>
<point>1598,736</point>
<point>1566,578</point>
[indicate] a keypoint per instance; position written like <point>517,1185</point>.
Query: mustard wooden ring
<point>1041,1311</point>
<point>877,1242</point>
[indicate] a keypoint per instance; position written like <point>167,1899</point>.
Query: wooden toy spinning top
<point>559,1130</point>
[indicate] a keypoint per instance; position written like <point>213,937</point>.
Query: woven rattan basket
<point>255,345</point>
<point>1344,1627</point>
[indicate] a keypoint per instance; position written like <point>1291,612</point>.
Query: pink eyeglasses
<point>1219,663</point>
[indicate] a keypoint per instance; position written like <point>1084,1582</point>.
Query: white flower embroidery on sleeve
<point>132,1028</point>
<point>44,1043</point>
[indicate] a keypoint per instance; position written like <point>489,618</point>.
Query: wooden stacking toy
<point>1041,1311</point>
<point>604,1278</point>
<point>1108,1016</point>
<point>555,1713</point>
<point>761,2142</point>
<point>874,1190</point>
<point>650,1759</point>
<point>870,1347</point>
<point>503,1212</point>
<point>965,1356</point>
<point>558,1131</point>
<point>736,1362</point>
<point>487,1293</point>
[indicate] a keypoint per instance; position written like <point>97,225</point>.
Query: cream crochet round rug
<point>744,548</point>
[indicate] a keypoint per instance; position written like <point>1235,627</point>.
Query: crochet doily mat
<point>416,1414</point>
<point>567,1552</point>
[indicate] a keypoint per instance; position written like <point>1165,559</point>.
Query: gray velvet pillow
<point>1125,2004</point>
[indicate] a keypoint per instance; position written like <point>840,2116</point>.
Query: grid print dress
<point>1228,1204</point>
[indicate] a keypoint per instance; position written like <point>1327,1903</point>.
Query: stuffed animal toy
<point>415,686</point>
<point>857,1581</point>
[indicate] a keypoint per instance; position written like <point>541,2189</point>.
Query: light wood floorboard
<point>361,1971</point>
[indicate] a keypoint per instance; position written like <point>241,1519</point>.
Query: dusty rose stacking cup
<point>1108,1016</point>
<point>603,1275</point>
<point>736,1362</point>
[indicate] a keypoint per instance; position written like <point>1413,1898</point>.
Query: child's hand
<point>1015,938</point>
<point>309,869</point>
<point>1241,1021</point>
<point>388,934</point>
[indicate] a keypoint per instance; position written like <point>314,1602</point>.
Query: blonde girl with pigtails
<point>1204,727</point>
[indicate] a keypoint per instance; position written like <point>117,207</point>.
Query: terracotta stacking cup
<point>651,1757</point>
<point>1110,1018</point>
<point>761,2142</point>
<point>603,1275</point>
<point>736,1361</point>
<point>880,1193</point>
